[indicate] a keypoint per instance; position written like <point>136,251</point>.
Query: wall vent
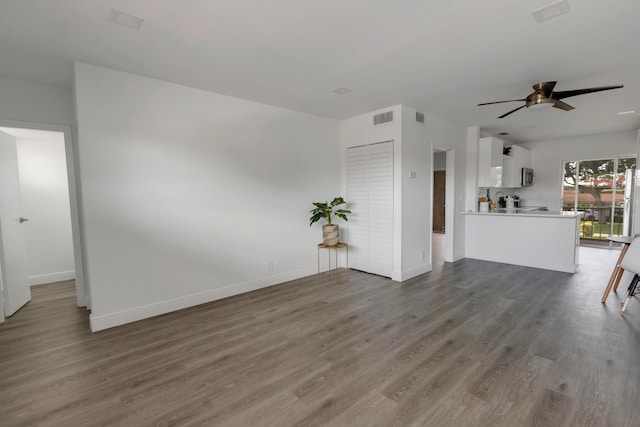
<point>419,117</point>
<point>381,118</point>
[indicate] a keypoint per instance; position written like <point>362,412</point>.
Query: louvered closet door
<point>370,197</point>
<point>381,209</point>
<point>358,198</point>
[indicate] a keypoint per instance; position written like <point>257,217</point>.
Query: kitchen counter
<point>524,236</point>
<point>529,211</point>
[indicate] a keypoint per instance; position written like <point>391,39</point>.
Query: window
<point>599,189</point>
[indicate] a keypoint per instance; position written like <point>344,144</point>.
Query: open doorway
<point>44,189</point>
<point>48,205</point>
<point>438,207</point>
<point>439,190</point>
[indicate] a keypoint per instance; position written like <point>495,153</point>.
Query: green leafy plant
<point>326,210</point>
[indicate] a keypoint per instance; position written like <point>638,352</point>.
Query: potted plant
<point>330,232</point>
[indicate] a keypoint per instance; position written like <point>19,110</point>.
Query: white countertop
<point>529,211</point>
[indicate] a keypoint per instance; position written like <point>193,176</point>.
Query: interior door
<point>358,198</point>
<point>13,255</point>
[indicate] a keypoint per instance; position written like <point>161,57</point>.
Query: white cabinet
<point>370,197</point>
<point>490,162</point>
<point>512,165</point>
<point>498,170</point>
<point>554,249</point>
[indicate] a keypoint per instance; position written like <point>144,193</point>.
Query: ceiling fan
<point>544,96</point>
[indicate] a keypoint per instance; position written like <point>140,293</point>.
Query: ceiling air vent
<point>126,19</point>
<point>419,117</point>
<point>381,118</point>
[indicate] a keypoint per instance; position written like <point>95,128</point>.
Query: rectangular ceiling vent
<point>551,11</point>
<point>419,117</point>
<point>382,118</point>
<point>125,19</point>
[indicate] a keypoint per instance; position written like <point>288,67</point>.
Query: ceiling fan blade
<point>568,93</point>
<point>500,102</point>
<point>562,105</point>
<point>512,111</point>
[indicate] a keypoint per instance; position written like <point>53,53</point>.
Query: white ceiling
<point>442,57</point>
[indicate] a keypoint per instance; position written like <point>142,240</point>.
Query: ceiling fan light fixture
<point>540,103</point>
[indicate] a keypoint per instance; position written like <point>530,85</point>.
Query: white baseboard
<point>111,320</point>
<point>416,271</point>
<point>458,257</point>
<point>52,277</point>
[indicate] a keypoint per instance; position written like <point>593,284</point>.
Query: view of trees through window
<point>599,188</point>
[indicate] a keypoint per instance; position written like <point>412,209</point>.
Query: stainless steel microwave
<point>527,177</point>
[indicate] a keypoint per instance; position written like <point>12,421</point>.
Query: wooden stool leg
<point>609,285</point>
<point>618,277</point>
<point>615,275</point>
<point>620,269</point>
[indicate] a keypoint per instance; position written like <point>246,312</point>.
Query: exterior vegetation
<point>597,188</point>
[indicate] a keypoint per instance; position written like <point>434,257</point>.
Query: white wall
<point>37,106</point>
<point>358,131</point>
<point>547,158</point>
<point>439,161</point>
<point>45,201</point>
<point>188,195</point>
<point>451,137</point>
<point>417,195</point>
<point>413,148</point>
<point>36,103</point>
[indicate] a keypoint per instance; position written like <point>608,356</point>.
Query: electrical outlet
<point>270,265</point>
<point>422,254</point>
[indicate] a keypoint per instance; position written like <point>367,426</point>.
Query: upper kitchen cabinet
<point>512,165</point>
<point>490,162</point>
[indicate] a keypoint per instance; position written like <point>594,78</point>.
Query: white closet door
<point>358,198</point>
<point>370,197</point>
<point>381,209</point>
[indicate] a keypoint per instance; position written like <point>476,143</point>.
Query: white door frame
<point>450,200</point>
<point>1,308</point>
<point>450,203</point>
<point>82,292</point>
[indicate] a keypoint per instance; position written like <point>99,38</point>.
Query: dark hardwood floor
<point>470,344</point>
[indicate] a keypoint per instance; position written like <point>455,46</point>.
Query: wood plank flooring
<point>472,343</point>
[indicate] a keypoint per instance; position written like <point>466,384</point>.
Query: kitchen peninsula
<point>526,236</point>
